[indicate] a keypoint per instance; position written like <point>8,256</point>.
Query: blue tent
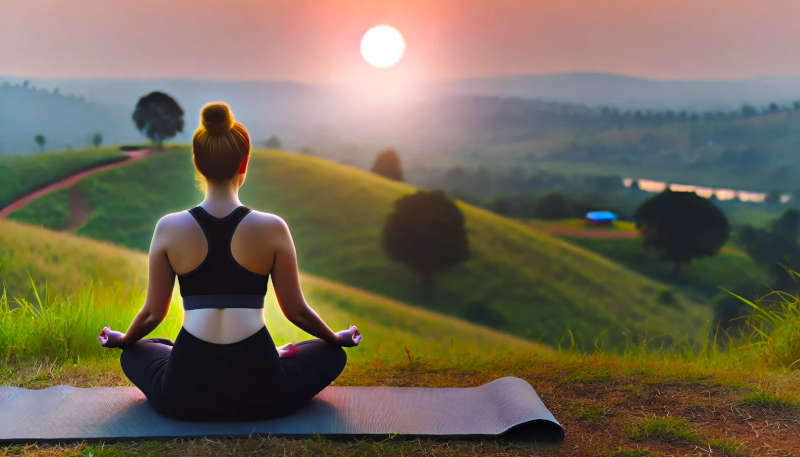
<point>601,217</point>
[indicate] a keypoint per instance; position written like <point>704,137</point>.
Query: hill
<point>21,174</point>
<point>638,405</point>
<point>518,280</point>
<point>632,92</point>
<point>64,119</point>
<point>90,284</point>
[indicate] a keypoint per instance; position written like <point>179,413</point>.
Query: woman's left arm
<point>159,289</point>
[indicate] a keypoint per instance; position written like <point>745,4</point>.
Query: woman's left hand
<point>110,338</point>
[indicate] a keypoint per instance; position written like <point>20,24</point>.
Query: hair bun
<point>217,118</point>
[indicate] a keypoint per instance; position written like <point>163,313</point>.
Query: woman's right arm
<point>286,282</point>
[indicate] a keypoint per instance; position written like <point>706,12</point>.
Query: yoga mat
<point>507,406</point>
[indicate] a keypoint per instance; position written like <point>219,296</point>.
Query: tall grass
<point>64,328</point>
<point>53,327</point>
<point>774,329</point>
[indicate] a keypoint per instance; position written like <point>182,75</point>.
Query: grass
<point>548,225</point>
<point>518,279</point>
<point>62,323</point>
<point>765,400</point>
<point>89,284</point>
<point>666,429</point>
<point>701,279</point>
<point>775,324</point>
<point>677,430</point>
<point>21,174</point>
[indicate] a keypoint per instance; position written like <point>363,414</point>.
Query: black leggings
<point>193,379</point>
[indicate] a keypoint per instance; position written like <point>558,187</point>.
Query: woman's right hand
<point>110,338</point>
<point>350,337</point>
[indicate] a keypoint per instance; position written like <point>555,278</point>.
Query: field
<point>665,403</point>
<point>518,280</point>
<point>701,279</point>
<point>20,174</point>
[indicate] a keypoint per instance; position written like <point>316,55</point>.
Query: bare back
<point>252,247</point>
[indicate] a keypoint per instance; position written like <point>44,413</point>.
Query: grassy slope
<point>533,285</point>
<point>117,277</point>
<point>702,277</point>
<point>610,406</point>
<point>21,174</point>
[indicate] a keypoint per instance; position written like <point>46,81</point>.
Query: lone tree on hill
<point>158,116</point>
<point>40,140</point>
<point>97,139</point>
<point>387,164</point>
<point>273,142</point>
<point>681,225</point>
<point>426,232</point>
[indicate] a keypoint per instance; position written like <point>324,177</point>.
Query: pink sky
<point>318,41</point>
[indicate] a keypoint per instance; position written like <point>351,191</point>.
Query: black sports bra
<point>220,281</point>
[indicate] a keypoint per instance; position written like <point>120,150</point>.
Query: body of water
<point>722,194</point>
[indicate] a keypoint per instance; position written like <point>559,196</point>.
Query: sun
<point>382,46</point>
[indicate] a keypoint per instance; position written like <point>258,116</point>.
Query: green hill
<point>610,405</point>
<point>518,280</point>
<point>21,174</point>
<point>91,284</point>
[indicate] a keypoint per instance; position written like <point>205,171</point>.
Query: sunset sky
<point>318,41</point>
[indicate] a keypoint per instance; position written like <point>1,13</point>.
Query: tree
<point>554,205</point>
<point>273,142</point>
<point>159,117</point>
<point>40,140</point>
<point>97,139</point>
<point>748,111</point>
<point>682,225</point>
<point>426,232</point>
<point>775,247</point>
<point>387,164</point>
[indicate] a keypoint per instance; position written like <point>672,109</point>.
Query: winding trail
<point>589,233</point>
<point>68,181</point>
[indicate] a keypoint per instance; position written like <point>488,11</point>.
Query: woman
<point>223,364</point>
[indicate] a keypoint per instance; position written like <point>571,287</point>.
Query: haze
<point>318,41</point>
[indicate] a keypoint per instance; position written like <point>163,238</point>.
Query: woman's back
<point>252,246</point>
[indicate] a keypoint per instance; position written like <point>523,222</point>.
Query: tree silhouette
<point>776,247</point>
<point>158,116</point>
<point>426,232</point>
<point>40,140</point>
<point>682,225</point>
<point>273,142</point>
<point>97,139</point>
<point>387,164</point>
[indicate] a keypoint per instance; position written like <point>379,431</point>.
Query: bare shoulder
<point>171,223</point>
<point>266,221</point>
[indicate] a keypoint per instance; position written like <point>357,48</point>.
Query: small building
<point>600,218</point>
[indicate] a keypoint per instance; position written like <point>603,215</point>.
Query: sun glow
<point>382,46</point>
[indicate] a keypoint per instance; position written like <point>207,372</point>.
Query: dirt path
<point>589,233</point>
<point>79,209</point>
<point>68,181</point>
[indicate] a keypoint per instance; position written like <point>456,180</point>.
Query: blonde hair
<point>220,144</point>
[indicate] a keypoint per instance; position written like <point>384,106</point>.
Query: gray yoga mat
<point>507,406</point>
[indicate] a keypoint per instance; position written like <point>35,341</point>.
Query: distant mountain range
<point>593,89</point>
<point>635,93</point>
<point>457,118</point>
